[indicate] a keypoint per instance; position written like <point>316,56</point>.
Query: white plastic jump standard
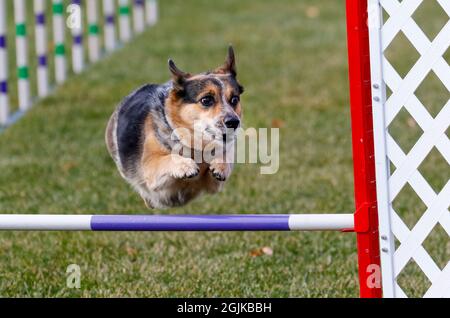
<point>93,31</point>
<point>109,29</point>
<point>151,12</point>
<point>77,44</point>
<point>58,38</point>
<point>41,48</point>
<point>138,16</point>
<point>124,20</point>
<point>22,55</point>
<point>4,101</point>
<point>387,151</point>
<point>379,95</point>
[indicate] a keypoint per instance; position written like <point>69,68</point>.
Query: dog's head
<point>206,105</point>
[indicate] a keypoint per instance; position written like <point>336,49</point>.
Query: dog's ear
<point>178,76</point>
<point>229,67</point>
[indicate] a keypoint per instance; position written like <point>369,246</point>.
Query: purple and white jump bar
<point>231,222</point>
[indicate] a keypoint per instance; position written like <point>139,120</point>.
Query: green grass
<point>293,65</point>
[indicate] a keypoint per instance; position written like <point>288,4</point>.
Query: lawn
<point>292,60</point>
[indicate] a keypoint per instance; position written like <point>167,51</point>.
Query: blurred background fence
<point>49,43</point>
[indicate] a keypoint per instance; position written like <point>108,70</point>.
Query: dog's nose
<point>232,122</point>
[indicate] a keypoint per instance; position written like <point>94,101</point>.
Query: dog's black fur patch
<point>193,88</point>
<point>132,114</point>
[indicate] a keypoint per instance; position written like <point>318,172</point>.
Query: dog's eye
<point>207,101</point>
<point>234,101</point>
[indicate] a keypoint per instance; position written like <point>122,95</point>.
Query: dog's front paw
<point>219,170</point>
<point>185,168</point>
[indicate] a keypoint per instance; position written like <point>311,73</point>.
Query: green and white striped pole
<point>124,21</point>
<point>58,37</point>
<point>22,55</point>
<point>4,101</point>
<point>93,31</point>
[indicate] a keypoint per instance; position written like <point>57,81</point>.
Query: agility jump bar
<point>230,222</point>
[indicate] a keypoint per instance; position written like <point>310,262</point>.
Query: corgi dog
<point>159,134</point>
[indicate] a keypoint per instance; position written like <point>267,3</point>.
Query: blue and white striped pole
<point>109,29</point>
<point>138,16</point>
<point>22,55</point>
<point>41,48</point>
<point>77,44</point>
<point>4,101</point>
<point>232,222</point>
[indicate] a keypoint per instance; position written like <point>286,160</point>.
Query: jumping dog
<point>157,132</point>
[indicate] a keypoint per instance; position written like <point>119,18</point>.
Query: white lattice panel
<point>387,19</point>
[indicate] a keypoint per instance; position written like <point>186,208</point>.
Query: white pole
<point>138,16</point>
<point>93,39</point>
<point>41,48</point>
<point>110,31</point>
<point>43,222</point>
<point>124,20</point>
<point>387,245</point>
<point>4,102</point>
<point>77,44</point>
<point>22,55</point>
<point>321,222</point>
<point>58,38</point>
<point>151,12</point>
